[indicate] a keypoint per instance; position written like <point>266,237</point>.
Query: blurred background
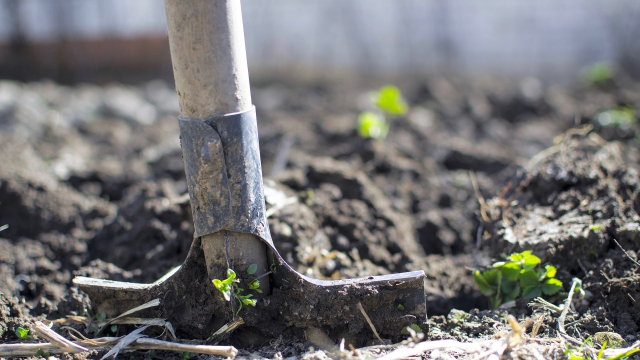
<point>72,41</point>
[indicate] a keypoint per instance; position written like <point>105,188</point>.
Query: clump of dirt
<point>13,316</point>
<point>578,209</point>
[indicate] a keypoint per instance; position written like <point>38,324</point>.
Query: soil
<point>92,183</point>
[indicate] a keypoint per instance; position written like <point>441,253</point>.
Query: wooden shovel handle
<point>206,38</point>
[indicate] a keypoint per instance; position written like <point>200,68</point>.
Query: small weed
<point>22,333</point>
<point>622,117</point>
<point>114,328</point>
<point>595,227</point>
<point>581,353</point>
<point>414,327</point>
<point>225,286</point>
<point>389,100</point>
<point>185,355</point>
<point>373,126</point>
<point>252,269</point>
<point>101,317</point>
<point>43,354</point>
<point>389,103</point>
<point>519,276</point>
<point>598,73</point>
<point>400,307</point>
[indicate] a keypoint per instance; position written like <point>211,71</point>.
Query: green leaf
<point>498,264</point>
<point>530,262</point>
<point>373,126</point>
<point>218,284</point>
<point>531,292</point>
<point>249,302</point>
<point>528,278</point>
<point>43,354</point>
<point>253,285</point>
<point>252,269</point>
<point>114,328</point>
<point>598,73</point>
<point>551,286</point>
<point>400,307</point>
<point>604,345</point>
<point>510,270</point>
<point>482,284</point>
<point>517,257</point>
<point>389,99</point>
<point>226,292</point>
<point>101,317</point>
<point>491,277</point>
<point>22,333</point>
<point>231,274</point>
<point>551,271</point>
<point>513,294</point>
<point>508,286</point>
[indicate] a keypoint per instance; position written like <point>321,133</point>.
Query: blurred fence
<point>73,40</point>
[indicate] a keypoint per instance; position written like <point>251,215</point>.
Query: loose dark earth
<point>92,183</point>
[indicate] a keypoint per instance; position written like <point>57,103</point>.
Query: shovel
<point>219,137</point>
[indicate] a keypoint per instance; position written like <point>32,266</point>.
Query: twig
<point>565,310</point>
<point>263,275</point>
<point>152,303</point>
<point>225,329</point>
<point>369,321</point>
<point>483,203</point>
<point>56,339</point>
<point>133,336</point>
<point>626,253</point>
<point>30,349</point>
<point>537,324</point>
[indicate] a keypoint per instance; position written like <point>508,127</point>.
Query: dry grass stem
<point>56,339</point>
<point>133,336</point>
<point>563,315</point>
<point>626,253</point>
<point>537,324</point>
<point>373,328</point>
<point>30,349</point>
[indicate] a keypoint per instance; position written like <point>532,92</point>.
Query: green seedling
<point>22,333</point>
<point>42,354</point>
<point>519,276</point>
<point>100,317</point>
<point>114,328</point>
<point>598,73</point>
<point>231,283</point>
<point>389,100</point>
<point>595,227</point>
<point>389,103</point>
<point>400,307</point>
<point>373,126</point>
<point>185,355</point>
<point>622,117</point>
<point>581,353</point>
<point>414,327</point>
